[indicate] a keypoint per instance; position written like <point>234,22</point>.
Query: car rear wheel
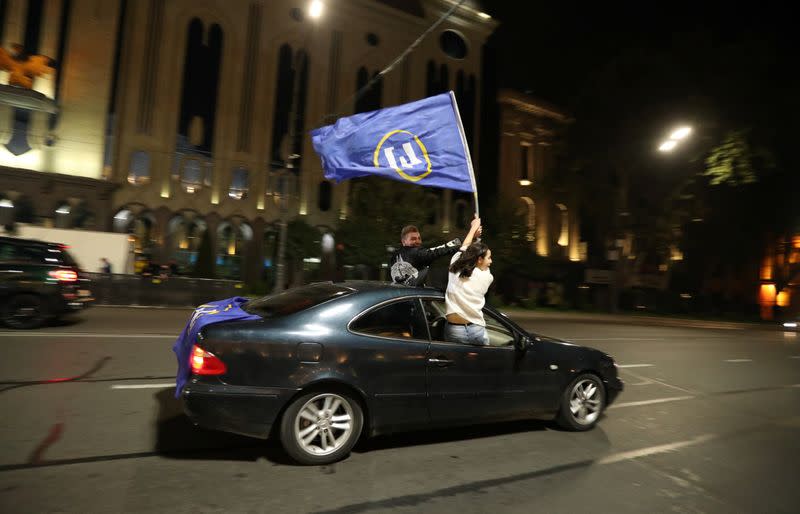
<point>25,311</point>
<point>582,403</point>
<point>321,427</point>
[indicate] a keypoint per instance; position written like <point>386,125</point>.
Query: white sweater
<point>465,296</point>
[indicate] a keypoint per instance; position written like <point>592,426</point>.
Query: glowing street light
<point>677,136</point>
<point>668,146</point>
<point>681,133</point>
<point>315,10</point>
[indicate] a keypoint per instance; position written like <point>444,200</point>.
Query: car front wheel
<point>582,403</point>
<point>321,427</point>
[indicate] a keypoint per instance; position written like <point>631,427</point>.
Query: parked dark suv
<point>39,282</point>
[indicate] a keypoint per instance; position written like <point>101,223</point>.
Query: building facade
<point>531,137</point>
<point>171,119</point>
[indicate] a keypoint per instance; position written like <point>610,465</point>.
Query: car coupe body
<point>330,361</point>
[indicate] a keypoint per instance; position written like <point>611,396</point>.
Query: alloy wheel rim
<point>324,424</point>
<point>585,402</point>
<point>24,312</point>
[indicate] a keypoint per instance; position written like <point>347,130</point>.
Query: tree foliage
<point>735,162</point>
<point>378,210</point>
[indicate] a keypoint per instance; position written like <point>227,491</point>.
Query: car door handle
<point>440,362</point>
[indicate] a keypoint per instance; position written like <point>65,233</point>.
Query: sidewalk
<point>635,319</point>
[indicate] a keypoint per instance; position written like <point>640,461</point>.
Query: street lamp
<point>677,136</point>
<point>681,133</point>
<point>668,146</point>
<point>315,10</point>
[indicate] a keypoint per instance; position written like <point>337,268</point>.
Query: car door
<point>392,362</point>
<point>467,383</point>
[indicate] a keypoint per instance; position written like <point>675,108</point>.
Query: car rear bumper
<point>249,411</point>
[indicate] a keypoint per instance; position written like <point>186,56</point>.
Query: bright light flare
<point>681,133</point>
<point>668,146</point>
<point>315,10</point>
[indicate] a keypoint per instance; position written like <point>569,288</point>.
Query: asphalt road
<point>709,422</point>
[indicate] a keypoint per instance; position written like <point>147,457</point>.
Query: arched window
<point>232,238</point>
<point>563,237</point>
<point>527,210</point>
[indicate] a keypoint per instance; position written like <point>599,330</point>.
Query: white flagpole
<point>466,150</point>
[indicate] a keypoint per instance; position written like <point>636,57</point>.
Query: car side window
<point>499,334</point>
<point>400,320</point>
<point>435,312</point>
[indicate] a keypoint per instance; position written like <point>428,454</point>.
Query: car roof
<point>363,286</point>
<point>19,240</point>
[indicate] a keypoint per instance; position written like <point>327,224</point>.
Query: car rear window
<point>294,300</point>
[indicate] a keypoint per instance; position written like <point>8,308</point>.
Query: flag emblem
<point>407,164</point>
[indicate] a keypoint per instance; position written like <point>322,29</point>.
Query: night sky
<point>629,72</point>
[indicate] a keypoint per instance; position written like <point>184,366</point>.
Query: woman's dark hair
<point>469,259</point>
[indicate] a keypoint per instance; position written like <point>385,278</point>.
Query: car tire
<point>25,311</point>
<point>330,414</point>
<point>582,403</point>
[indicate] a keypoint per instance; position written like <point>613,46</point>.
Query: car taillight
<point>206,363</point>
<point>64,275</point>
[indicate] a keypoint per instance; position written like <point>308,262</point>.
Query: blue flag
<point>419,142</point>
<point>208,313</point>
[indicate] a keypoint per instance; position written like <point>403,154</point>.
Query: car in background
<point>791,324</point>
<point>326,363</point>
<point>39,282</point>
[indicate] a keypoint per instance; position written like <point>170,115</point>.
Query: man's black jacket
<point>409,265</point>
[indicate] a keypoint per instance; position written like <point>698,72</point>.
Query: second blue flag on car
<point>420,142</point>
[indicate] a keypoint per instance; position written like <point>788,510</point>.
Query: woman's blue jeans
<point>467,334</point>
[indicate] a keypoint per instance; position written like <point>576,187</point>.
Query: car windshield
<point>294,300</point>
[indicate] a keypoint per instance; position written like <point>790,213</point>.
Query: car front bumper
<point>614,386</point>
<point>244,410</point>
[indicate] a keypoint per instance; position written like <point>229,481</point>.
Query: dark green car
<point>39,282</point>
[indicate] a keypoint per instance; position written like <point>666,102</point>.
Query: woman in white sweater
<point>468,281</point>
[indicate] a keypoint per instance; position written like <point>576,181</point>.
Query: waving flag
<point>420,142</point>
<point>214,312</point>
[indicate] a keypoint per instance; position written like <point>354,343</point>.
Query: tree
<point>302,241</point>
<point>379,209</point>
<point>735,162</point>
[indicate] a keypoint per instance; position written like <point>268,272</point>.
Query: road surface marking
<point>614,339</point>
<point>142,386</point>
<point>795,357</point>
<point>657,381</point>
<point>650,402</point>
<point>654,450</point>
<point>79,334</point>
<point>739,360</point>
<point>635,365</point>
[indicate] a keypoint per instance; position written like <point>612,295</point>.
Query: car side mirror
<point>523,343</point>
